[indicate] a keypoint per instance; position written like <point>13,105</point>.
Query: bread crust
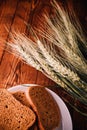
<point>45,107</point>
<point>14,115</point>
<point>21,96</point>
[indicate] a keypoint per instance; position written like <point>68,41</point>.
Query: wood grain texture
<point>13,14</point>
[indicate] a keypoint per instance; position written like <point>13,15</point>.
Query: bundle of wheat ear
<point>58,52</point>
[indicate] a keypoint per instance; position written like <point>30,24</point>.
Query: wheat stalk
<point>27,49</point>
<point>19,51</point>
<point>56,64</point>
<point>23,48</point>
<point>58,67</point>
<point>61,32</point>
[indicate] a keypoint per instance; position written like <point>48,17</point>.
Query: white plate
<point>66,122</point>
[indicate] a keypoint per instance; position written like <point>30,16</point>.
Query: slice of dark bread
<point>45,107</point>
<point>14,115</point>
<point>21,96</point>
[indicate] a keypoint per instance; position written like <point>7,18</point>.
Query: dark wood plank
<point>35,20</point>
<point>6,19</point>
<point>11,75</point>
<point>79,122</point>
<point>7,13</point>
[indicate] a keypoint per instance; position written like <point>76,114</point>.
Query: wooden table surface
<point>13,71</point>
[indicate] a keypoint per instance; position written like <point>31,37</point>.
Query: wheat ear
<point>30,48</point>
<point>61,32</point>
<point>59,67</point>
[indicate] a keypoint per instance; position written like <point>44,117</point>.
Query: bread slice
<point>14,115</point>
<point>45,107</point>
<point>21,96</point>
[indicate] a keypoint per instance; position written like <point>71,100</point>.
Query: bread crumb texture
<point>45,107</point>
<point>14,115</point>
<point>20,96</point>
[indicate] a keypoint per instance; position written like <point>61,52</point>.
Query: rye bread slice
<point>45,107</point>
<point>21,96</point>
<point>14,115</point>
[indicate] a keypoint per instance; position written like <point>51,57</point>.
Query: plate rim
<point>66,125</point>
